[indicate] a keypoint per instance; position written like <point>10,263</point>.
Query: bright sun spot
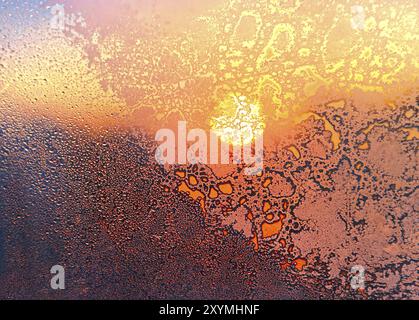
<point>237,122</point>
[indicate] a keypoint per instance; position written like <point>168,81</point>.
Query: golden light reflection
<point>284,56</point>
